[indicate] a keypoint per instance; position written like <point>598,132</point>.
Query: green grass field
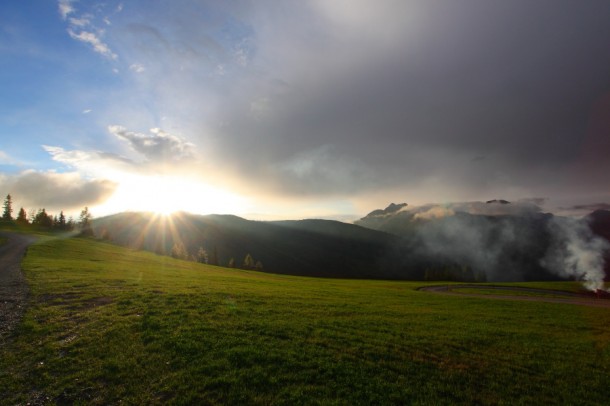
<point>109,325</point>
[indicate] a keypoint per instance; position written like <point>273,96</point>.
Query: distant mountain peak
<point>392,208</point>
<point>498,201</point>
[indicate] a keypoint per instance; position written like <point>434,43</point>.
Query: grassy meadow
<point>108,325</point>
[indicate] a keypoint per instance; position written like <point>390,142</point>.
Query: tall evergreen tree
<point>7,215</point>
<point>61,222</point>
<point>22,217</point>
<point>42,219</point>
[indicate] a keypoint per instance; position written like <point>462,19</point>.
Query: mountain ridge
<point>473,242</point>
<point>297,247</point>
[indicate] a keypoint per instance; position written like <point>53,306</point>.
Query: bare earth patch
<point>516,293</point>
<point>13,287</point>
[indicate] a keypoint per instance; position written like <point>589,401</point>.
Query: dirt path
<point>13,287</point>
<point>566,297</point>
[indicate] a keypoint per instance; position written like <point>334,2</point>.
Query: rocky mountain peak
<point>498,201</point>
<point>392,208</point>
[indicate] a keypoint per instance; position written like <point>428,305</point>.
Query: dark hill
<point>306,247</point>
<point>398,244</point>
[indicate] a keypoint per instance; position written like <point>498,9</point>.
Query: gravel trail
<point>13,287</point>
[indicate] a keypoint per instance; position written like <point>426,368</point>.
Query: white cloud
<point>93,164</point>
<point>434,213</point>
<point>87,111</point>
<point>83,28</point>
<point>241,57</point>
<point>92,39</point>
<point>137,67</point>
<point>431,211</point>
<point>65,8</point>
<point>6,159</point>
<point>61,155</point>
<point>80,22</point>
<point>157,146</point>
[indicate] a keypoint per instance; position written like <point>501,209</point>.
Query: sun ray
<point>169,194</point>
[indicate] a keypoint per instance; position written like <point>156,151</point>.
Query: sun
<point>165,195</point>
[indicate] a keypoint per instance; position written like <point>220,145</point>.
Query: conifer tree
<point>42,219</point>
<point>22,217</point>
<point>7,215</point>
<point>61,222</point>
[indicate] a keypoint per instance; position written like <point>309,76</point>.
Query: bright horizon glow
<point>164,195</point>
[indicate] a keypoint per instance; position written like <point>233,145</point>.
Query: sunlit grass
<point>107,324</point>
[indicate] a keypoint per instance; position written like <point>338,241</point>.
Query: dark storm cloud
<point>441,100</point>
<point>513,82</point>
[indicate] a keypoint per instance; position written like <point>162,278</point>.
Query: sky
<point>300,109</point>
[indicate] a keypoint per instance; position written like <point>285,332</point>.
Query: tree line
<point>42,219</point>
<point>179,251</point>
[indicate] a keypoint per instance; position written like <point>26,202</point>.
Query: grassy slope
<point>108,324</point>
